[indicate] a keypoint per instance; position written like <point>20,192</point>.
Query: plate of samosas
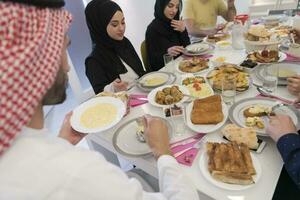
<point>167,95</point>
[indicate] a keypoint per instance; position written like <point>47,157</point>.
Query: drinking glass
<point>168,60</point>
<point>270,78</point>
<point>177,121</point>
<point>228,90</point>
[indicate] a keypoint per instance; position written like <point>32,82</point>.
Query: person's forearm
<point>172,181</point>
<point>231,13</point>
<point>289,148</point>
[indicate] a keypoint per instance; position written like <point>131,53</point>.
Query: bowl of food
<point>223,45</point>
<point>260,38</point>
<point>218,61</point>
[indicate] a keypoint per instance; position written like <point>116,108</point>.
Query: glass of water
<point>228,90</point>
<point>270,78</point>
<point>168,60</point>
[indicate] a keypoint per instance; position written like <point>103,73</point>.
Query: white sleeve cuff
<point>166,160</point>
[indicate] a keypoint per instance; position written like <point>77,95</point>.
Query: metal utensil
<point>140,131</point>
<point>277,106</point>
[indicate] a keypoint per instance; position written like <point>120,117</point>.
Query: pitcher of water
<point>238,36</point>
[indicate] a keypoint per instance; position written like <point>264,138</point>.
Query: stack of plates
<point>198,49</point>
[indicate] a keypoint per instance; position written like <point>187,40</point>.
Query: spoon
<point>266,93</point>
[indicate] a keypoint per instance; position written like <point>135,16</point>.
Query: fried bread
<point>230,163</point>
<point>207,110</point>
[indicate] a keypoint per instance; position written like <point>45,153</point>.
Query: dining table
<point>269,159</point>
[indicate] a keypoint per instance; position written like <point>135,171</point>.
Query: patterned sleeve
<point>289,148</point>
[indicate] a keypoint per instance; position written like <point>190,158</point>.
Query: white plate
<point>195,45</point>
<point>202,71</point>
<point>197,48</point>
<point>126,143</point>
<point>151,95</point>
<point>162,75</point>
<point>282,57</point>
<point>205,128</point>
<point>236,112</point>
<point>191,76</point>
<point>259,70</point>
<point>75,119</point>
<point>203,164</point>
<point>171,80</point>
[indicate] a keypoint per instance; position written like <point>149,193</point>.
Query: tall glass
<point>168,60</point>
<point>270,78</point>
<point>228,90</point>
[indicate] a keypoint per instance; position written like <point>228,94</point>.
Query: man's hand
<point>178,25</point>
<point>294,85</point>
<point>68,133</point>
<point>175,50</point>
<point>157,137</point>
<point>119,85</point>
<point>279,126</point>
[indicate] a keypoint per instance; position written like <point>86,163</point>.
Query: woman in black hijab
<point>166,33</point>
<point>113,62</point>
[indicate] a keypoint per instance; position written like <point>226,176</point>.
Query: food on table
<point>217,37</point>
<point>255,121</point>
<point>258,33</point>
<point>265,56</point>
<point>119,95</point>
<point>98,116</point>
<point>257,111</point>
<point>249,63</point>
<point>154,81</point>
<point>223,44</point>
<point>193,79</point>
<point>220,59</point>
<point>168,95</point>
<point>199,90</point>
<point>230,163</point>
<point>241,135</point>
<point>174,110</point>
<point>285,73</point>
<point>284,31</point>
<point>193,65</point>
<point>197,48</point>
<point>229,71</point>
<point>207,110</point>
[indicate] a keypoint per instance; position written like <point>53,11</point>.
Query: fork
<point>197,145</point>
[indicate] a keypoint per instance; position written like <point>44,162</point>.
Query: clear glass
<point>238,36</point>
<point>228,90</point>
<point>177,121</point>
<point>270,78</point>
<point>168,60</point>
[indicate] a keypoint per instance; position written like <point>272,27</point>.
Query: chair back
<point>145,55</point>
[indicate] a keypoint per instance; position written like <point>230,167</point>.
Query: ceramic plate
<point>151,95</point>
<point>198,72</point>
<point>197,48</point>
<point>236,114</point>
<point>172,78</point>
<point>259,71</point>
<point>282,57</point>
<point>125,141</point>
<point>79,111</point>
<point>154,79</point>
<point>203,164</point>
<point>204,128</point>
<point>200,46</point>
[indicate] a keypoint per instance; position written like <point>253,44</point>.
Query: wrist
<point>165,152</point>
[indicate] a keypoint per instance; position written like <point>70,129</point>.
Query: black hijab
<point>162,23</point>
<point>106,50</point>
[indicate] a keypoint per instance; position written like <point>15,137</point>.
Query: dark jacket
<point>160,36</point>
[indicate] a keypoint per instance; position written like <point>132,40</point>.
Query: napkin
<point>189,156</point>
<point>278,98</point>
<point>291,58</point>
<point>135,101</point>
